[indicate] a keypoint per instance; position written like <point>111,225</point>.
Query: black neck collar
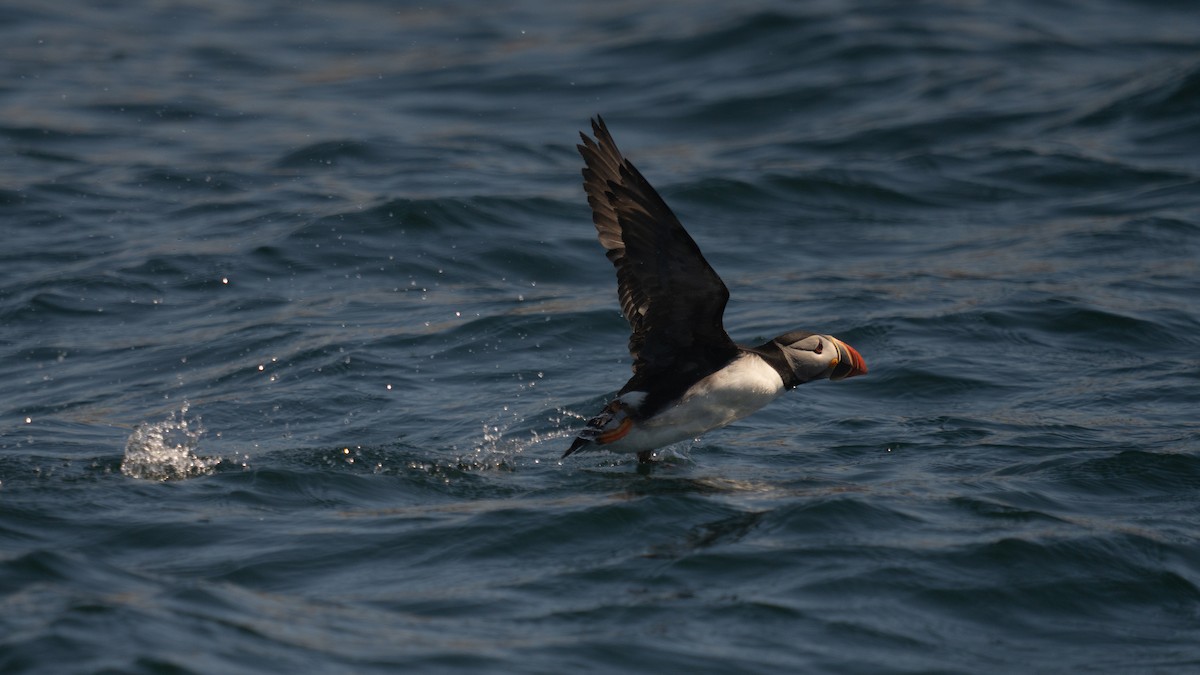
<point>773,354</point>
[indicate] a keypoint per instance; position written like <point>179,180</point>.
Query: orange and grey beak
<point>849,363</point>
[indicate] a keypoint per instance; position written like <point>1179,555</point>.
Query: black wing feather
<point>673,299</point>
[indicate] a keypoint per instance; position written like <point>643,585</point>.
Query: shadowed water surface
<point>300,305</point>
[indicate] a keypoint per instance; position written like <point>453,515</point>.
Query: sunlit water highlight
<point>167,450</point>
<point>351,236</point>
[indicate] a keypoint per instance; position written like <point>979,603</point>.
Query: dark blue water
<point>301,303</point>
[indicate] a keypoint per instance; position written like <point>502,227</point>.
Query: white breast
<point>745,385</point>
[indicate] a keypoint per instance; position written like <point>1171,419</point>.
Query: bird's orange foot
<point>616,434</point>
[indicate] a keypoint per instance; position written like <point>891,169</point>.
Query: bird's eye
<point>811,343</point>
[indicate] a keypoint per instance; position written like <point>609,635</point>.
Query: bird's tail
<point>580,443</point>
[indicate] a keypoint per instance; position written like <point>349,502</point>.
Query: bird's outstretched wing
<point>672,298</point>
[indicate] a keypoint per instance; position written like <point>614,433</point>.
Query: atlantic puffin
<point>688,375</point>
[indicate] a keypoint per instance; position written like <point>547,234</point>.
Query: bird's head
<point>818,357</point>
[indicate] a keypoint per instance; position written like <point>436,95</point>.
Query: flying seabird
<point>688,375</point>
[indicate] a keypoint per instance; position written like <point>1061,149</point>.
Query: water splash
<point>493,452</point>
<point>502,447</point>
<point>167,450</point>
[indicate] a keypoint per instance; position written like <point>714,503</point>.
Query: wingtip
<point>600,131</point>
